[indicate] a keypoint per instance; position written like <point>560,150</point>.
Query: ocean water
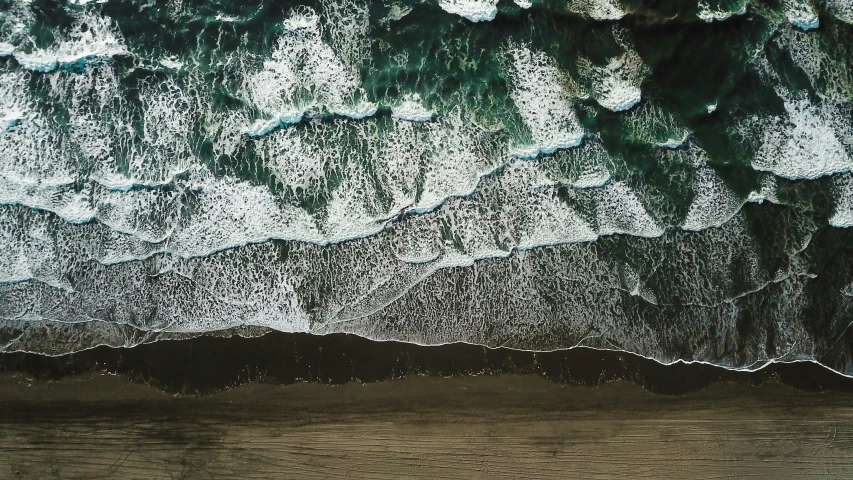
<point>672,179</point>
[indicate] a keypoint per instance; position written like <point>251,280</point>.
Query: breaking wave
<point>537,176</point>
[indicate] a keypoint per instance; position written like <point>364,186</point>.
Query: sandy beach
<point>103,426</point>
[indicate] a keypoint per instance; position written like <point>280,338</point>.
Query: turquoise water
<point>666,178</point>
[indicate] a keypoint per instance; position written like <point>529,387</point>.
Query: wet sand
<point>207,365</point>
<point>103,426</point>
<point>300,406</point>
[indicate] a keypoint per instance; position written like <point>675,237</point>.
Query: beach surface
<point>97,425</point>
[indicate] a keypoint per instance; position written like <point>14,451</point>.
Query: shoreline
<point>296,405</point>
<point>209,364</point>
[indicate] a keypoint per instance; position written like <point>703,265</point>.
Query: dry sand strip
<point>101,426</point>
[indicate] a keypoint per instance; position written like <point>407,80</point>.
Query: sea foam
<point>93,39</point>
<point>842,215</point>
<point>537,88</point>
<point>801,14</point>
<point>810,141</point>
<point>708,14</point>
<point>604,10</point>
<point>713,202</point>
<point>302,62</point>
<point>473,10</point>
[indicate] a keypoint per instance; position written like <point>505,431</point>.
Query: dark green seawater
<point>671,179</point>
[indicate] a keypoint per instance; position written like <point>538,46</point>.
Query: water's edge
<point>207,365</point>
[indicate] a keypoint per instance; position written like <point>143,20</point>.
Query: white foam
<point>617,84</point>
<point>541,218</point>
<point>200,297</point>
<point>413,166</point>
<point>526,213</point>
<point>801,14</point>
<point>525,4</point>
<point>45,247</point>
<point>265,285</point>
<point>457,159</point>
<point>347,25</point>
<point>399,160</point>
<point>804,52</point>
<point>18,19</point>
<point>301,19</point>
<point>618,96</point>
<point>361,109</point>
<point>842,215</point>
<point>365,290</point>
<point>592,179</point>
<point>709,15</point>
<point>34,170</point>
<point>766,192</point>
<point>605,10</point>
<point>227,213</point>
<point>230,213</point>
<point>226,18</point>
<point>581,284</point>
<point>263,127</point>
<point>473,10</point>
<point>41,162</point>
<point>652,125</point>
<point>841,9</point>
<point>537,88</point>
<point>354,209</point>
<point>28,252</point>
<point>411,109</point>
<point>522,212</point>
<point>673,143</point>
<point>810,141</point>
<point>14,96</point>
<point>582,167</point>
<point>98,41</point>
<point>162,151</point>
<point>10,118</point>
<point>305,74</point>
<point>50,194</point>
<point>420,165</point>
<point>713,202</point>
<point>397,11</point>
<point>147,215</point>
<point>446,158</point>
<point>172,62</point>
<point>620,211</point>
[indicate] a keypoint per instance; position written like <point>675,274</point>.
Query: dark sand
<point>103,426</point>
<point>210,364</point>
<point>240,408</point>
